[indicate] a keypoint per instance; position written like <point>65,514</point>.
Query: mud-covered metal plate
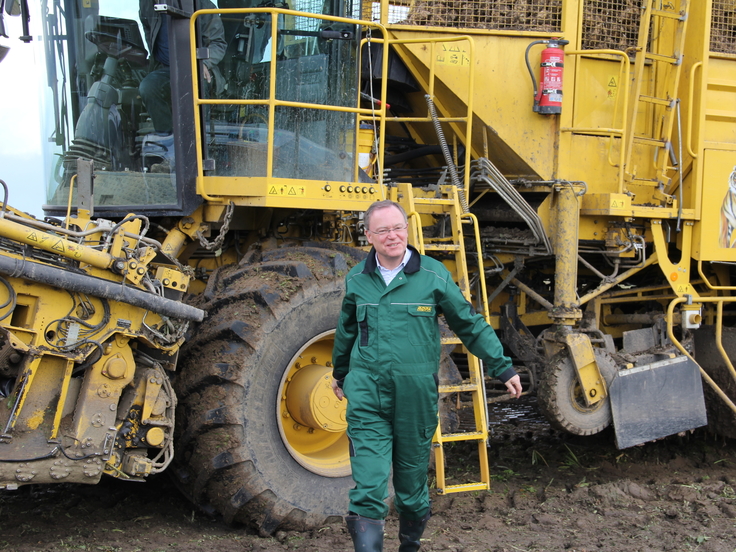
<point>656,400</point>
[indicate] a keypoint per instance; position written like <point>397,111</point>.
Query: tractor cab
<point>154,112</point>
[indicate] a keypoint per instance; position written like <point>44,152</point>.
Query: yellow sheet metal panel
<point>285,192</point>
<point>586,158</point>
<point>594,204</point>
<point>720,101</point>
<point>502,102</point>
<point>598,89</point>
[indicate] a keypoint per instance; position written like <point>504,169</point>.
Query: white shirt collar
<point>389,273</point>
<point>407,256</point>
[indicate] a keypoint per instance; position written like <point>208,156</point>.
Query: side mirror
<point>12,7</point>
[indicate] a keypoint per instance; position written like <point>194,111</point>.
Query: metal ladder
<point>659,48</point>
<point>447,202</point>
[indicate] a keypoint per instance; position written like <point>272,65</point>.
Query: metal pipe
<point>81,283</point>
<point>533,294</point>
<point>566,309</point>
<point>647,318</point>
<point>620,278</point>
<point>55,244</point>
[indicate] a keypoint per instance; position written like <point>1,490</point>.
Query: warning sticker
<point>618,204</point>
<point>45,240</point>
<point>288,190</point>
<point>453,54</point>
<point>612,88</point>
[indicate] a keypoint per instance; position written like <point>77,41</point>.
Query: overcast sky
<point>21,137</point>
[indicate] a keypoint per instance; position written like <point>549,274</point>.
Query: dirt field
<point>550,492</point>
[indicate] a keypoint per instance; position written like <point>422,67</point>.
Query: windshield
<point>108,65</point>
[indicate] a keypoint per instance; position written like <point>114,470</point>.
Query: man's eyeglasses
<point>384,231</point>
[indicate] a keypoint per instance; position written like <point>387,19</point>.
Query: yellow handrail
<point>271,102</point>
<point>719,328</point>
<point>706,281</point>
<point>485,308</point>
<point>689,130</point>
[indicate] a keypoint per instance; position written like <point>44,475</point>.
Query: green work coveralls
<point>387,351</point>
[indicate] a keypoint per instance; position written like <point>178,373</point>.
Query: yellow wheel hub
<point>311,419</point>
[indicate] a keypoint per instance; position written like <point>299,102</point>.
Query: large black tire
<point>561,402</point>
<point>233,448</point>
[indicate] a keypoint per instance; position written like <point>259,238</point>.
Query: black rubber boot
<point>410,533</point>
<point>367,533</point>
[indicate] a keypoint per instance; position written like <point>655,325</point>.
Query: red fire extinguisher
<point>548,96</point>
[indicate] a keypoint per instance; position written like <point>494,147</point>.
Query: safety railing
<point>719,302</point>
<point>376,113</point>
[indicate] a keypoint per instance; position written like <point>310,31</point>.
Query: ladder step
<point>667,14</point>
<point>464,487</point>
<point>441,247</point>
<point>650,141</point>
<point>643,182</point>
<point>454,340</point>
<point>658,101</point>
<point>468,436</point>
<point>433,201</point>
<point>458,388</point>
<point>674,60</point>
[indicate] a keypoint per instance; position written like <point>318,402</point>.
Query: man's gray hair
<point>378,205</point>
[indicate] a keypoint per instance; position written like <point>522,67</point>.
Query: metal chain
<point>209,246</point>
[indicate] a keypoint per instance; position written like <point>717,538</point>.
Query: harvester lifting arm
<point>60,246</point>
<point>104,289</point>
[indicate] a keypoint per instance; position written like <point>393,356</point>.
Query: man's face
<point>390,246</point>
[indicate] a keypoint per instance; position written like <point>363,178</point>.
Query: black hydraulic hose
<point>528,65</point>
<point>81,283</point>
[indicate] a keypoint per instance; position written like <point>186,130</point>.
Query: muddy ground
<point>550,492</point>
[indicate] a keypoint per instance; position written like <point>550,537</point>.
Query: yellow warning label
<point>618,204</point>
<point>453,54</point>
<point>288,190</point>
<point>612,88</point>
<point>684,289</point>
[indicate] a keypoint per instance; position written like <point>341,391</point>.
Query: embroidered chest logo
<point>424,309</point>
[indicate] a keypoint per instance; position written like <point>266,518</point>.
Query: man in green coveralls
<point>386,359</point>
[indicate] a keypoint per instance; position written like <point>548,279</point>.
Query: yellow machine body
<point>183,306</point>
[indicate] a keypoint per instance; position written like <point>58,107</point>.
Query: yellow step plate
<point>465,487</point>
<point>469,436</point>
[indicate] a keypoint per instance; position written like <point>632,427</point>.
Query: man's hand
<point>206,73</point>
<point>340,395</point>
<point>513,385</point>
